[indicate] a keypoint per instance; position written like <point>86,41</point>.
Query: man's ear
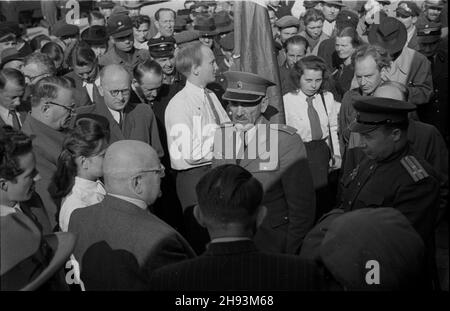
<point>396,134</point>
<point>134,83</point>
<point>136,184</point>
<point>3,184</point>
<point>264,103</point>
<point>198,216</point>
<point>261,214</point>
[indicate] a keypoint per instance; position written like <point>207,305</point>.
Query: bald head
<point>128,170</point>
<point>391,89</point>
<point>115,86</point>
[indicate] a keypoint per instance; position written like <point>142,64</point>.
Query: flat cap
<point>438,4</point>
<point>428,32</point>
<point>227,42</point>
<point>161,47</point>
<point>186,36</point>
<point>95,35</point>
<point>383,235</point>
<point>372,112</point>
<point>407,9</point>
<point>119,25</point>
<point>287,21</point>
<point>390,34</point>
<point>245,86</point>
<point>61,29</point>
<point>347,18</point>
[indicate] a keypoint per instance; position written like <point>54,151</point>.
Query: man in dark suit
<point>275,155</point>
<point>120,242</point>
<point>230,208</point>
<point>51,112</point>
<point>85,76</point>
<point>12,88</point>
<point>126,120</point>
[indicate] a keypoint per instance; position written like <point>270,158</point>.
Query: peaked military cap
<point>336,3</point>
<point>373,112</point>
<point>389,34</point>
<point>287,21</point>
<point>161,47</point>
<point>245,86</point>
<point>428,32</point>
<point>437,4</point>
<point>119,25</point>
<point>347,18</point>
<point>407,9</point>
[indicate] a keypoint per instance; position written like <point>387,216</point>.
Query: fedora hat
<point>205,26</point>
<point>95,35</point>
<point>390,34</point>
<point>29,259</point>
<point>223,21</point>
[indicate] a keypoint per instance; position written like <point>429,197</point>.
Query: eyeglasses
<point>115,93</point>
<point>159,171</point>
<point>71,110</point>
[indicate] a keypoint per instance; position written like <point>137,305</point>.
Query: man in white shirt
<point>191,118</point>
<point>120,242</point>
<point>12,88</point>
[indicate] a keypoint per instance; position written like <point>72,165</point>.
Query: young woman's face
<point>311,81</point>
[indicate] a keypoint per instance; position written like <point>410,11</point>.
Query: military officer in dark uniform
<point>435,49</point>
<point>390,174</point>
<point>275,155</point>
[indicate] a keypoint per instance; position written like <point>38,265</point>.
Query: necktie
<point>314,121</point>
<point>120,119</point>
<point>213,109</point>
<point>96,94</point>
<point>15,119</point>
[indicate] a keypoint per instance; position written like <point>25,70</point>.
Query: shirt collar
<point>139,203</point>
<point>194,88</point>
<point>4,113</point>
<point>87,184</point>
<point>230,239</point>
<point>6,210</point>
<point>96,82</point>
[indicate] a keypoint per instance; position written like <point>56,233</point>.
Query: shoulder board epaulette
<point>284,128</point>
<point>414,168</point>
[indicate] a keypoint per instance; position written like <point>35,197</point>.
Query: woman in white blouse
<point>80,167</point>
<point>313,112</point>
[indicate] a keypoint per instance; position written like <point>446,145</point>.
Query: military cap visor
<point>245,86</point>
<point>428,34</point>
<point>373,112</point>
<point>119,26</point>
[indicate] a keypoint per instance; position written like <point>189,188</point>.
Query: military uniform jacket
<point>139,123</point>
<point>111,57</point>
<point>404,182</point>
<point>288,187</point>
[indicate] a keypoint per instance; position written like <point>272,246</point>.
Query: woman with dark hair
<point>313,112</point>
<point>79,167</point>
<point>347,42</point>
<point>56,54</point>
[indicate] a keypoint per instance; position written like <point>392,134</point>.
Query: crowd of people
<point>134,155</point>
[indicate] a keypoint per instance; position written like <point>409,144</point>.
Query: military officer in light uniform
<point>275,155</point>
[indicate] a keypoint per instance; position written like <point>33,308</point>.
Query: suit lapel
<point>116,132</point>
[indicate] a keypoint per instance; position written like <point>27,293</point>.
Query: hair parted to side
<point>48,88</point>
<point>229,194</point>
<point>351,33</point>
<point>379,54</point>
<point>13,144</point>
<point>158,13</point>
<point>188,56</point>
<point>313,15</point>
<point>296,40</point>
<point>146,67</point>
<point>139,20</point>
<point>82,55</point>
<point>54,51</point>
<point>310,62</point>
<point>87,139</point>
<point>12,75</point>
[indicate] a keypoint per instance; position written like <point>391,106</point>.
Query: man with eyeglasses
<point>127,120</point>
<point>131,241</point>
<point>85,75</point>
<point>52,109</point>
<point>120,30</point>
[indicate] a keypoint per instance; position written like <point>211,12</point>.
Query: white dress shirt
<point>190,127</point>
<point>5,210</point>
<point>90,87</point>
<point>296,111</point>
<point>84,193</point>
<point>116,114</point>
<point>6,116</point>
<point>328,27</point>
